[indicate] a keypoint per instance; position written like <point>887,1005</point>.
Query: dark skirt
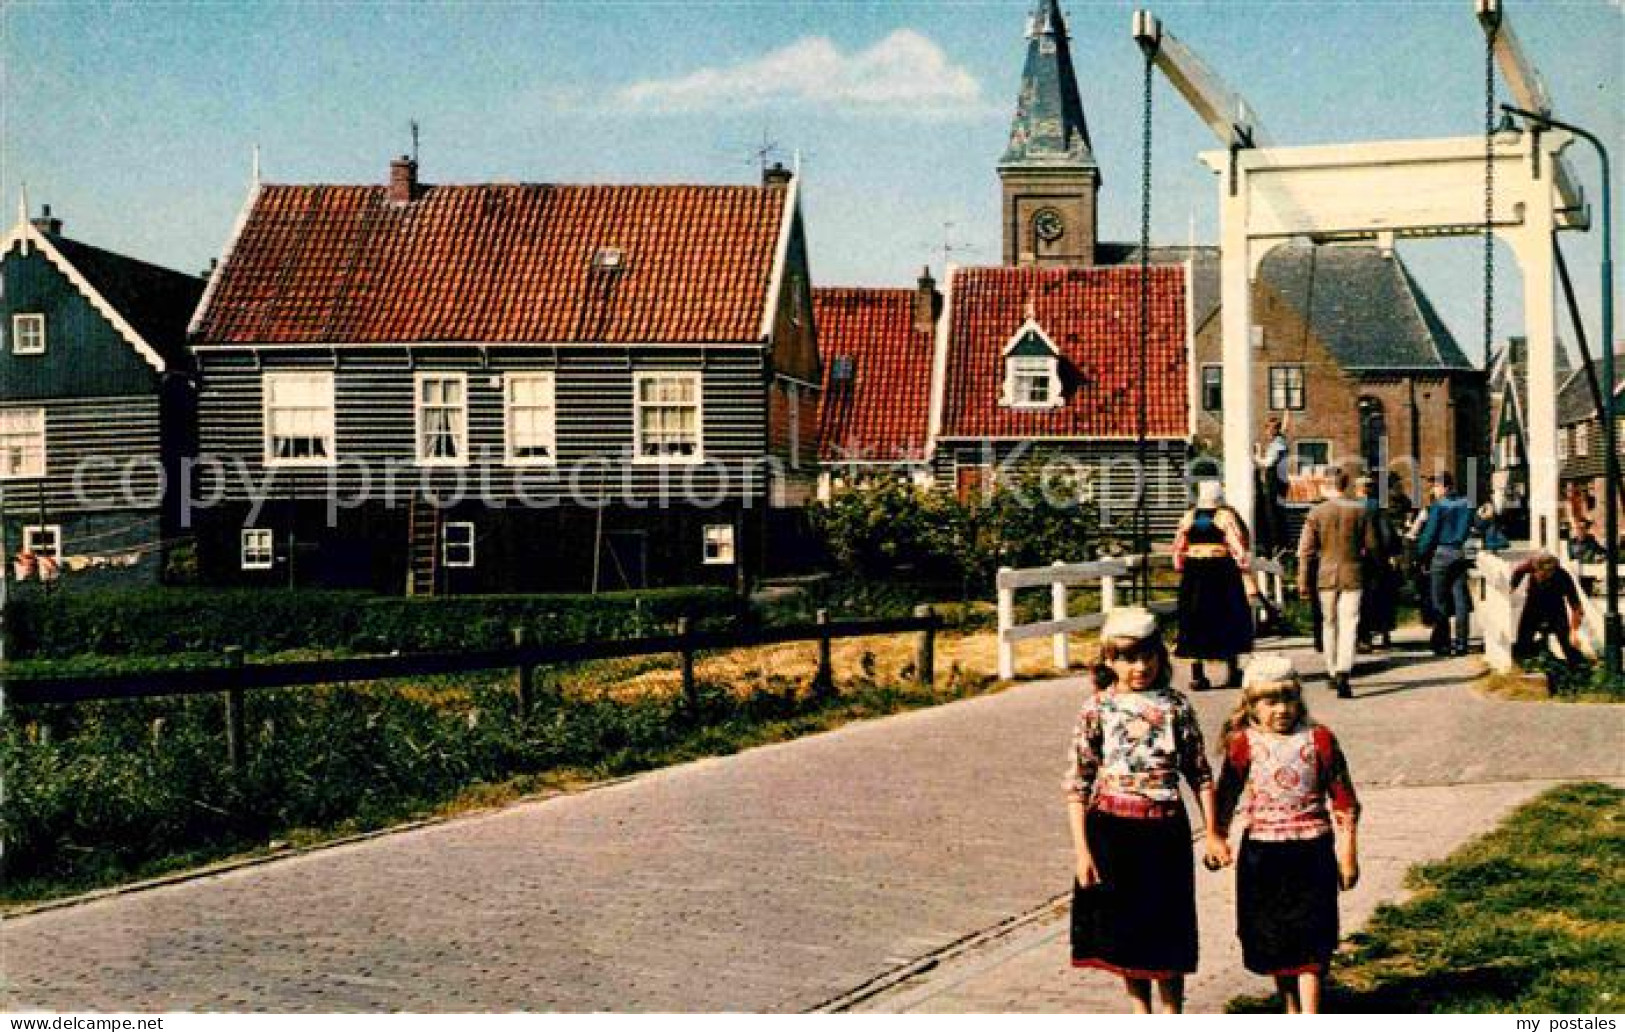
<point>1140,920</point>
<point>1286,905</point>
<point>1215,621</point>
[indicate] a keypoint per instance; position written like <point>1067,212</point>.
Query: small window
<point>1286,387</point>
<point>667,421</point>
<point>530,418</point>
<point>719,544</point>
<point>442,419</point>
<point>44,542</point>
<point>1032,383</point>
<point>28,334</point>
<point>259,552</point>
<point>1313,455</point>
<point>22,442</point>
<point>458,550</point>
<point>1256,336</point>
<point>298,418</point>
<point>1582,440</point>
<point>1212,388</point>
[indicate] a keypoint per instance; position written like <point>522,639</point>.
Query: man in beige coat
<point>1337,538</point>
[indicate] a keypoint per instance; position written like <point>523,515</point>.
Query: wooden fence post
<point>691,691</point>
<point>527,676</point>
<point>1108,593</point>
<point>925,649</point>
<point>1057,594</point>
<point>1007,620</point>
<point>824,680</point>
<point>236,740</point>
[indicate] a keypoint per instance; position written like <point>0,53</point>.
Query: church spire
<point>1049,127</point>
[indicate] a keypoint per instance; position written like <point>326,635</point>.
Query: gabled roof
<point>1049,130</point>
<point>1364,305</point>
<point>147,304</point>
<point>875,406</point>
<point>500,263</point>
<point>1093,317</point>
<point>1575,403</point>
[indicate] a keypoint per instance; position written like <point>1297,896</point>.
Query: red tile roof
<point>883,414</point>
<point>496,263</point>
<point>1093,317</point>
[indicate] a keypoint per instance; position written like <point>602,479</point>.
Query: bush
<point>167,621</point>
<point>1036,514</point>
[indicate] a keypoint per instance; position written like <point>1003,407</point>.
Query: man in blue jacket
<point>1449,524</point>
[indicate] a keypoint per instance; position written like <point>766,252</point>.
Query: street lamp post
<point>1612,635</point>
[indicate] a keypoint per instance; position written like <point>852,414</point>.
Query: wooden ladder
<point>422,548</point>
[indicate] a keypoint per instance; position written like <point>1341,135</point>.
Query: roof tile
<point>883,412</point>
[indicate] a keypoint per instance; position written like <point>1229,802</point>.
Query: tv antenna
<point>414,124</point>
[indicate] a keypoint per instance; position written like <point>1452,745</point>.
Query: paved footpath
<point>794,877</point>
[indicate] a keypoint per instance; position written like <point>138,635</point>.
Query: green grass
<point>1528,919</point>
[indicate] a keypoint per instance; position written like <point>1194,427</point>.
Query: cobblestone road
<point>776,880</point>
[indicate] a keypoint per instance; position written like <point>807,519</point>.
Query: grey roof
<point>1575,403</point>
<point>1367,308</point>
<point>1049,130</point>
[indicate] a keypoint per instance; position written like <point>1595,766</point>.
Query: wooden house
<point>507,387</point>
<point>95,408</point>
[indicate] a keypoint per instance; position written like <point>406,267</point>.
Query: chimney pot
<point>776,175</point>
<point>46,223</point>
<point>403,180</point>
<point>927,303</point>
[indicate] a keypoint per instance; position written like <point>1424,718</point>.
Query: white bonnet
<point>1129,622</point>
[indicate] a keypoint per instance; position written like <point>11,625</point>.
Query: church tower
<point>1050,176</point>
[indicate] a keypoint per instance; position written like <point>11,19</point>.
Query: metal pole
<point>1612,636</point>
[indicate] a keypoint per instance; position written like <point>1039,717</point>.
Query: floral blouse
<point>1133,746</point>
<point>1292,783</point>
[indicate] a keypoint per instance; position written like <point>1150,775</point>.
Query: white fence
<point>1498,609</point>
<point>1059,577</point>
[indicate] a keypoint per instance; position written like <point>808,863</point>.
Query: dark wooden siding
<point>1112,462</point>
<point>594,416</point>
<point>85,356</point>
<point>111,445</point>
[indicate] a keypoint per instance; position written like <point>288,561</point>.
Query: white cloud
<point>904,74</point>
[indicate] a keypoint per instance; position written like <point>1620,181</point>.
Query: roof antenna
<point>414,141</point>
<point>22,213</point>
<point>255,173</point>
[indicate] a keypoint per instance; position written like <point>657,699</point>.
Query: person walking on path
<point>1451,521</point>
<point>1300,844</point>
<point>1337,539</point>
<point>1379,599</point>
<point>1553,609</point>
<point>1134,894</point>
<point>1211,554</point>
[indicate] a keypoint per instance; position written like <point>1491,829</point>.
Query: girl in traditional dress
<point>1134,897</point>
<point>1211,553</point>
<point>1291,863</point>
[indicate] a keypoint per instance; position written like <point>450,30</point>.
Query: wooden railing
<point>1059,577</point>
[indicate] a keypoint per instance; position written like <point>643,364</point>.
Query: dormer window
<point>1032,370</point>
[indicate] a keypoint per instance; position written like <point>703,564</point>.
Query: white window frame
<point>1031,369</point>
<point>28,449</point>
<point>324,421</point>
<point>720,535</point>
<point>1297,457</point>
<point>31,542</point>
<point>1286,388</point>
<point>1582,440</point>
<point>1202,387</point>
<point>28,333</point>
<point>258,548</point>
<point>511,410</point>
<point>446,545</point>
<point>638,405</point>
<point>460,432</point>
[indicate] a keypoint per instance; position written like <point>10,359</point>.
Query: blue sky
<point>137,122</point>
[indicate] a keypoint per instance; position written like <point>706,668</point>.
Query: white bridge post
<point>1057,594</point>
<point>1007,621</point>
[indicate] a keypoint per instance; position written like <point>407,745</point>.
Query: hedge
<point>166,621</point>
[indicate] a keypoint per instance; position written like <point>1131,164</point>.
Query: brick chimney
<point>45,223</point>
<point>403,180</point>
<point>777,176</point>
<point>927,303</point>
